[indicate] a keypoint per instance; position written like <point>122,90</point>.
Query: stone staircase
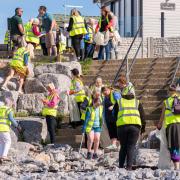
<point>151,78</point>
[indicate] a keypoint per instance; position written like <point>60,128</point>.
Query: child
<point>93,126</point>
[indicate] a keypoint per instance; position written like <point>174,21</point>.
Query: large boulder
<point>31,103</point>
<point>57,68</point>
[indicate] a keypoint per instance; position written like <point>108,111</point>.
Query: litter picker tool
<point>81,143</point>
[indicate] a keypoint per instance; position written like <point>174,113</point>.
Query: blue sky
<point>30,8</point>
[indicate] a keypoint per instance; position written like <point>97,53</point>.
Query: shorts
<point>50,39</point>
<point>96,129</point>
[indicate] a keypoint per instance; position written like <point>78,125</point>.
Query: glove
<point>20,130</point>
<point>71,92</point>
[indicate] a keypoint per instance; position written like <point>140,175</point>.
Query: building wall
<point>152,19</point>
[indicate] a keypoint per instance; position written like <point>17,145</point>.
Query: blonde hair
<point>74,12</point>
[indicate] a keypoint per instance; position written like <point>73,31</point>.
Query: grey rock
<point>35,129</point>
<point>33,85</point>
<point>54,167</point>
<point>57,68</point>
<point>58,156</point>
<point>31,103</point>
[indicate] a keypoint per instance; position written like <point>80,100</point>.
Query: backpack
<point>176,106</point>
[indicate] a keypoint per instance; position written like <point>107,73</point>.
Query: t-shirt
<point>104,22</point>
<point>47,21</point>
<point>15,21</point>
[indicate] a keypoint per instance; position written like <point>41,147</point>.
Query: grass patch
<point>86,66</point>
<point>21,114</point>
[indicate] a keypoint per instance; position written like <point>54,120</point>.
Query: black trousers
<point>128,136</point>
<point>51,126</point>
<point>76,41</point>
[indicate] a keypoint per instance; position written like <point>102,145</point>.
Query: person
<point>77,88</point>
<point>50,110</point>
<point>130,123</point>
<point>110,99</point>
<point>171,121</point>
<point>76,29</point>
<point>6,119</point>
<point>89,43</point>
<point>17,29</point>
<point>104,25</point>
<point>49,24</point>
<point>125,86</point>
<point>19,66</point>
<point>93,127</point>
<point>32,32</point>
<point>98,85</point>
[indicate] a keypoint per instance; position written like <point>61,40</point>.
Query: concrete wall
<point>152,47</point>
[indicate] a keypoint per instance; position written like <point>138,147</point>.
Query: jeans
<point>76,43</point>
<point>101,52</point>
<point>128,136</point>
<point>51,125</point>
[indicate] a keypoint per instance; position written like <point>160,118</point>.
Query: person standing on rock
<point>49,24</point>
<point>77,90</point>
<point>110,99</point>
<point>130,123</point>
<point>77,29</point>
<point>50,110</point>
<point>19,66</point>
<point>170,119</point>
<point>6,119</point>
<point>93,126</point>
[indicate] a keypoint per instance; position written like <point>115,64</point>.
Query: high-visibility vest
<point>90,123</point>
<point>6,38</point>
<point>90,33</point>
<point>128,112</point>
<point>18,58</point>
<point>78,26</point>
<point>127,89</point>
<point>113,101</point>
<point>169,117</point>
<point>30,36</point>
<point>5,123</point>
<point>107,19</point>
<point>48,110</point>
<point>79,96</point>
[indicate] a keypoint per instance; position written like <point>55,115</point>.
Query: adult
<point>110,99</point>
<point>104,25</point>
<point>125,86</point>
<point>17,29</point>
<point>171,121</point>
<point>76,29</point>
<point>98,85</point>
<point>77,88</point>
<point>93,127</point>
<point>19,66</point>
<point>130,123</point>
<point>6,119</point>
<point>50,110</point>
<point>49,24</point>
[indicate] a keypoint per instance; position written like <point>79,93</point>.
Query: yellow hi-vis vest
<point>169,117</point>
<point>90,32</point>
<point>78,26</point>
<point>18,58</point>
<point>127,89</point>
<point>107,19</point>
<point>6,38</point>
<point>79,96</point>
<point>93,116</point>
<point>50,111</point>
<point>5,123</point>
<point>128,112</point>
<point>30,36</point>
<point>113,101</point>
<point>83,112</point>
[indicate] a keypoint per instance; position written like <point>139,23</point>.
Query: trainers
<point>95,156</point>
<point>89,155</point>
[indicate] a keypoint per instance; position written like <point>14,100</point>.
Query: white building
<point>132,13</point>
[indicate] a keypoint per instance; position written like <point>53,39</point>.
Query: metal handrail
<point>126,57</point>
<point>176,70</point>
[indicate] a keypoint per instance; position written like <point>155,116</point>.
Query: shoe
<point>4,88</point>
<point>111,147</point>
<point>95,156</point>
<point>89,155</point>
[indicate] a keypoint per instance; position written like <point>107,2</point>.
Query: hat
<point>35,21</point>
<point>75,72</point>
<point>51,86</point>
